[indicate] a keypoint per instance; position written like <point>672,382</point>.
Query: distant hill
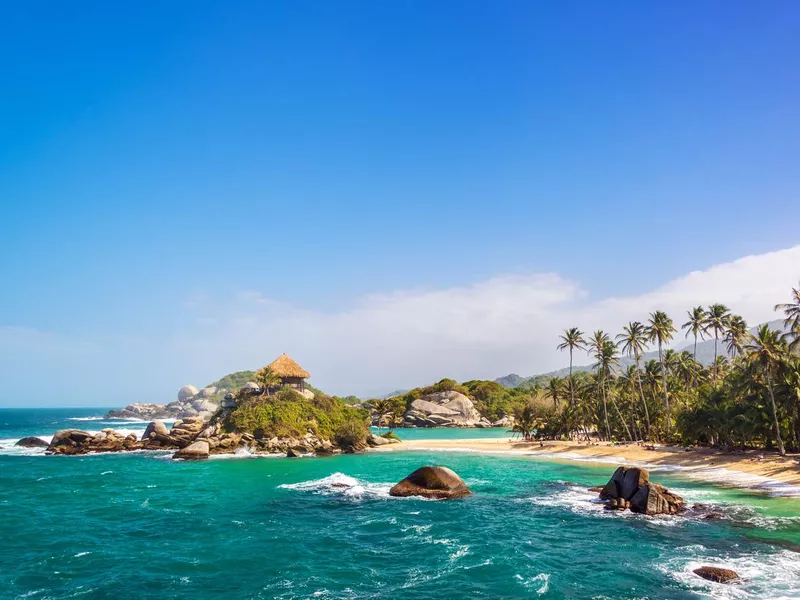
<point>705,355</point>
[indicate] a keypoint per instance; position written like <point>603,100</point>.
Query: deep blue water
<point>143,525</point>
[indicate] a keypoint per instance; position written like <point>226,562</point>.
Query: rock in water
<point>70,437</point>
<point>32,442</point>
<point>655,499</point>
<point>716,574</point>
<point>432,482</point>
<point>194,451</point>
<point>630,487</point>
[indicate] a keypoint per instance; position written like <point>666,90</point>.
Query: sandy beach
<point>751,469</point>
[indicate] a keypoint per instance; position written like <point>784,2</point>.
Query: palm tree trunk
<point>605,409</point>
<point>571,387</point>
<point>664,387</point>
<point>619,414</point>
<point>781,450</point>
<point>716,338</point>
<point>644,402</point>
<point>694,366</point>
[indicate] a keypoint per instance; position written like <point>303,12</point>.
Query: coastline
<point>771,474</point>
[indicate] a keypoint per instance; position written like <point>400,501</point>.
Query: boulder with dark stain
<point>32,442</point>
<point>432,482</point>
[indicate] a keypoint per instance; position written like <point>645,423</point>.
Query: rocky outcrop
<point>32,442</point>
<point>432,482</point>
<point>443,409</point>
<point>716,574</point>
<point>630,487</point>
<point>377,440</point>
<point>198,450</point>
<point>75,441</point>
<point>183,432</point>
<point>506,421</point>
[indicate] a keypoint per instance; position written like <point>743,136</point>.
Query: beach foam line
<point>720,475</point>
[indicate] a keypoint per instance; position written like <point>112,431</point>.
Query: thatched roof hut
<point>285,368</point>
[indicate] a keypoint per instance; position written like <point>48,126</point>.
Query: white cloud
<point>406,338</point>
<point>504,324</point>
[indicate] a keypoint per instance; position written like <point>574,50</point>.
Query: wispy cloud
<point>404,338</point>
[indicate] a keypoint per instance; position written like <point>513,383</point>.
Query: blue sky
<point>168,170</point>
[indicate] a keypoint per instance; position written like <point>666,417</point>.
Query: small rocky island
<point>277,414</point>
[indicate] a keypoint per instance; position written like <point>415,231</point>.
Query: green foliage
<point>234,381</point>
<point>289,414</point>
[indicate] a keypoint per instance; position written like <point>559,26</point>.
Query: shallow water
<point>142,524</point>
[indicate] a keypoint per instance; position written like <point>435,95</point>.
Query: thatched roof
<point>283,366</point>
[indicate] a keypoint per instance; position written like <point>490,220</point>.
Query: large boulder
<point>67,437</point>
<point>186,392</point>
<point>630,487</point>
<point>32,442</point>
<point>655,499</point>
<point>432,482</point>
<point>716,574</point>
<point>207,392</point>
<point>196,451</point>
<point>448,408</point>
<point>156,427</point>
<point>377,440</point>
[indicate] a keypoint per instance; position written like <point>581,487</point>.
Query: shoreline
<point>771,474</point>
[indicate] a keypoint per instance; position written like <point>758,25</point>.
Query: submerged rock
<point>32,442</point>
<point>716,574</point>
<point>432,482</point>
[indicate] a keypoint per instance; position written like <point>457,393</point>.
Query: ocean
<point>140,524</point>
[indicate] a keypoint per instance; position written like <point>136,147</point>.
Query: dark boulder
<point>655,499</point>
<point>432,482</point>
<point>716,574</point>
<point>70,437</point>
<point>32,442</point>
<point>630,488</point>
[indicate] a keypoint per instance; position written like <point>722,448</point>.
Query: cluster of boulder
<point>191,402</point>
<point>631,488</point>
<point>447,409</point>
<point>194,438</point>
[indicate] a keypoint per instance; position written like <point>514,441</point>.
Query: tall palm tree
<point>792,320</point>
<point>736,335</point>
<point>599,346</point>
<point>716,321</point>
<point>765,351</point>
<point>633,341</point>
<point>660,330</point>
<point>695,326</point>
<point>573,339</point>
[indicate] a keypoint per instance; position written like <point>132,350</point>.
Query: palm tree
<point>599,345</point>
<point>765,351</point>
<point>267,379</point>
<point>634,342</point>
<point>573,339</point>
<point>660,330</point>
<point>716,321</point>
<point>695,326</point>
<point>554,390</point>
<point>792,320</point>
<point>736,335</point>
<point>382,408</point>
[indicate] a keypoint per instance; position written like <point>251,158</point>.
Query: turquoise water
<point>448,433</point>
<point>141,524</point>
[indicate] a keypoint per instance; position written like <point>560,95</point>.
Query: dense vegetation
<point>289,414</point>
<point>750,399</point>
